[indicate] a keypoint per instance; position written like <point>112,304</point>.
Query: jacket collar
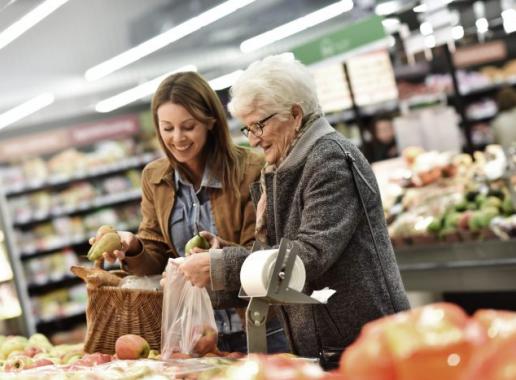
<point>162,171</point>
<point>320,128</point>
<point>208,180</point>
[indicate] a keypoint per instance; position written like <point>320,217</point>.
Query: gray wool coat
<point>312,200</point>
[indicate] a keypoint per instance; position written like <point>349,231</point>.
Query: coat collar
<point>320,128</point>
<point>162,171</point>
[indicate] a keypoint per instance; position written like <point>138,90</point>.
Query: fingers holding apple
<point>207,340</point>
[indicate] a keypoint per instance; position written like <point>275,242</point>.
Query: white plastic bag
<point>141,282</point>
<point>188,322</point>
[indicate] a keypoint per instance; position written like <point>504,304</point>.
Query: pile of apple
<point>18,352</point>
<point>438,341</point>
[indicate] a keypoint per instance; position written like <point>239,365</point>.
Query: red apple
<point>207,341</point>
<point>131,347</point>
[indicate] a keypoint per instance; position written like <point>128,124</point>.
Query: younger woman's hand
<point>214,240</point>
<point>130,245</point>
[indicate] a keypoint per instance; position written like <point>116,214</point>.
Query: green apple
<point>196,241</point>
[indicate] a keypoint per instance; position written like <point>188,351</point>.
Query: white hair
<point>274,84</point>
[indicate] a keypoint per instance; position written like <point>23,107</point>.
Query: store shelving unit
<point>51,217</point>
<point>463,267</point>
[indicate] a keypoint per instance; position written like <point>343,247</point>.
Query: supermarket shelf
<point>66,281</point>
<point>61,323</point>
<point>489,88</point>
<point>470,266</point>
<point>128,163</point>
<point>342,116</point>
<point>83,207</point>
<point>75,243</point>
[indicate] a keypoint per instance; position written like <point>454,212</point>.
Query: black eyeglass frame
<point>259,125</point>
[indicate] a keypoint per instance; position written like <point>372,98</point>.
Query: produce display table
<point>470,266</point>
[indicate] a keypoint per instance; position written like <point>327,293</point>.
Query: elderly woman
<point>318,191</point>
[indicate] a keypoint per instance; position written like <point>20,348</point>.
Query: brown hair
<point>191,91</point>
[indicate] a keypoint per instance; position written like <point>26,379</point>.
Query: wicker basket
<point>113,311</point>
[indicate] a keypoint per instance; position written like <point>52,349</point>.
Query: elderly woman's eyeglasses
<point>257,128</point>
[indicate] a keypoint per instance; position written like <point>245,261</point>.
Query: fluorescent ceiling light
<point>430,41</point>
<point>225,81</point>
<point>421,8</point>
<point>26,109</point>
<point>391,24</point>
<point>457,32</point>
<point>509,20</point>
<point>426,28</point>
<point>164,39</point>
<point>16,29</point>
<point>296,26</point>
<point>482,25</point>
<point>136,93</point>
<point>387,8</point>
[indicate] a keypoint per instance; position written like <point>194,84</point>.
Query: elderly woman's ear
<point>297,114</point>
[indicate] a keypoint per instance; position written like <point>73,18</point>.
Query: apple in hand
<point>207,341</point>
<point>197,241</point>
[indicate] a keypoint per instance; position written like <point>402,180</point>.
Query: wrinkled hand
<point>196,269</point>
<point>130,243</point>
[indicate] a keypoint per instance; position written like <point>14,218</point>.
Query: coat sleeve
<point>155,252</point>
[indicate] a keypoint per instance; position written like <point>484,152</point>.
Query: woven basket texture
<point>113,312</point>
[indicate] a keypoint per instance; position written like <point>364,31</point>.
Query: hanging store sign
<point>342,42</point>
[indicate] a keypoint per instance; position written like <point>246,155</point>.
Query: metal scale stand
<point>278,292</point>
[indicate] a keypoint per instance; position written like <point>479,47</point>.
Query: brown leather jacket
<point>234,216</point>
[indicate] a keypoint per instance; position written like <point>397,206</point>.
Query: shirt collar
<point>208,180</point>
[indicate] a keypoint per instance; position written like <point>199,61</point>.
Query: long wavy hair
<point>191,91</point>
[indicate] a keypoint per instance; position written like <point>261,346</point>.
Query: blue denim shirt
<point>192,210</point>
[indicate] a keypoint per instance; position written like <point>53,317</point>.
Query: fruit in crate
<point>18,363</point>
<point>197,241</point>
<point>40,341</point>
<point>108,240</point>
<point>207,341</point>
<point>431,342</point>
<point>12,344</point>
<point>131,347</point>
<point>496,359</point>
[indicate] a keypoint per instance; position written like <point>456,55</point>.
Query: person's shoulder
<point>155,169</point>
<point>332,144</point>
<point>251,158</point>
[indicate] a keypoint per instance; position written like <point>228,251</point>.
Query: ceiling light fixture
<point>391,24</point>
<point>26,109</point>
<point>426,28</point>
<point>509,20</point>
<point>37,14</point>
<point>422,8</point>
<point>225,81</point>
<point>388,7</point>
<point>457,32</point>
<point>482,25</point>
<point>139,92</point>
<point>296,26</point>
<point>164,39</point>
